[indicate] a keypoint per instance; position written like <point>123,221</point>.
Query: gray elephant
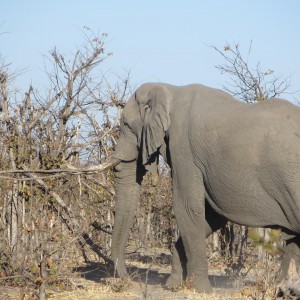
<point>229,161</point>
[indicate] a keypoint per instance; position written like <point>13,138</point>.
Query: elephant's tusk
<point>111,163</point>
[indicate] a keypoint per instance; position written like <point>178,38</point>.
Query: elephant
<point>229,161</point>
<point>289,287</point>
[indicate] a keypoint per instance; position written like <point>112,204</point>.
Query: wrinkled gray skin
<point>229,161</point>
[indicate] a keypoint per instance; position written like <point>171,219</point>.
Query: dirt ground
<point>95,281</point>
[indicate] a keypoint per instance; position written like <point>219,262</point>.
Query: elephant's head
<point>144,123</point>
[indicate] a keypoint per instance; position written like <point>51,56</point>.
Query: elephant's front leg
<point>189,209</point>
<point>213,222</point>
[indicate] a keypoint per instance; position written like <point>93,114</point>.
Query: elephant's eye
<point>148,104</point>
<point>126,125</point>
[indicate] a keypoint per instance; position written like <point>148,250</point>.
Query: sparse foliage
<point>43,216</point>
<point>247,82</point>
<point>56,210</point>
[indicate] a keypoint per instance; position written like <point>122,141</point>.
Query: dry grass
<point>134,291</point>
<point>96,293</point>
<point>90,282</point>
<point>114,288</point>
<point>91,293</point>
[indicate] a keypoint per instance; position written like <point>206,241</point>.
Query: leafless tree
<point>53,147</point>
<point>249,83</point>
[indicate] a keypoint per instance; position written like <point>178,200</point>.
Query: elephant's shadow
<point>102,273</point>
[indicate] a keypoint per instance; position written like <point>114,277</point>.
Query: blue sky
<point>158,40</point>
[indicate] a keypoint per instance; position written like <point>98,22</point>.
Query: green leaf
<point>274,235</point>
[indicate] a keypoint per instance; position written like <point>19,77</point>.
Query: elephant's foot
<point>122,274</point>
<point>173,280</point>
<point>121,271</point>
<point>200,285</point>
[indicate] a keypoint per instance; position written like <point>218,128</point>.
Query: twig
<point>57,198</point>
<point>71,215</point>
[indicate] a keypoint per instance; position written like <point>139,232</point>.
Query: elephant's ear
<point>156,120</point>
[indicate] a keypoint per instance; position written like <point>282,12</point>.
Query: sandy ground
<point>95,281</point>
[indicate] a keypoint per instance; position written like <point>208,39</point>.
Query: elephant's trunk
<point>128,180</point>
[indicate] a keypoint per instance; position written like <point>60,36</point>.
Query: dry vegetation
<point>56,224</point>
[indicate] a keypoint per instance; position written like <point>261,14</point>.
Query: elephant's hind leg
<point>291,251</point>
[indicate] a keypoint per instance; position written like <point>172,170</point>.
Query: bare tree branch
<point>246,83</point>
<point>69,170</point>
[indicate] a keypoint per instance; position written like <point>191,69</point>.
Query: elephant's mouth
<point>152,167</point>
